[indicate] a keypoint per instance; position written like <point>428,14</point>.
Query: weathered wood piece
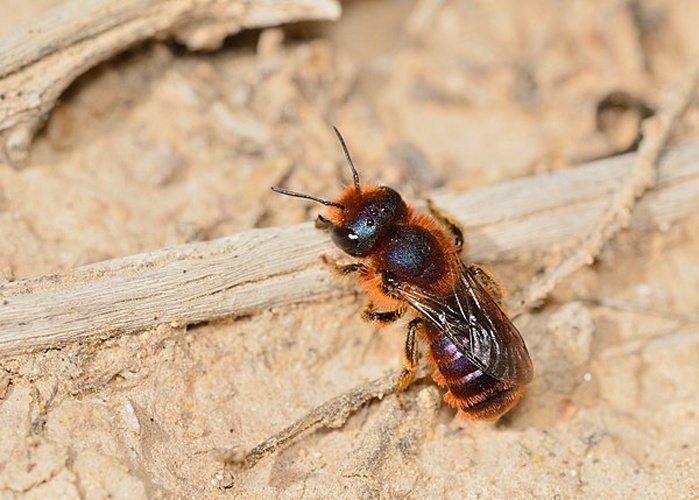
<point>262,268</point>
<point>40,60</point>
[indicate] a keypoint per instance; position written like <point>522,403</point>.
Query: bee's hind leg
<point>411,356</point>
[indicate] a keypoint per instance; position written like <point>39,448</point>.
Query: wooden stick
<point>330,415</point>
<point>39,61</point>
<point>264,268</point>
<point>643,176</point>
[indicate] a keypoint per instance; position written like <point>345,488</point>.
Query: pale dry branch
<point>40,60</point>
<point>258,269</point>
<point>642,177</point>
<point>331,414</point>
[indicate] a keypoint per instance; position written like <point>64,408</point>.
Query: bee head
<point>359,217</point>
<point>365,218</point>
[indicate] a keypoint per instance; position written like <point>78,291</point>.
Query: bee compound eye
<point>345,239</point>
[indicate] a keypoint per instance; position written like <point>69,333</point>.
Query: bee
<point>408,261</point>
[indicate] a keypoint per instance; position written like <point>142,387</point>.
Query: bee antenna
<point>355,175</point>
<point>327,203</point>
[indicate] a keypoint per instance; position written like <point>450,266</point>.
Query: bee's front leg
<point>345,269</point>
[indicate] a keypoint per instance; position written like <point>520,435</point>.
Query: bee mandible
<point>408,261</point>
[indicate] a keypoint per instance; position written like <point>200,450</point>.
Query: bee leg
<point>350,269</point>
<point>489,282</point>
<point>323,224</point>
<point>344,270</point>
<point>450,223</point>
<point>369,314</point>
<point>412,355</point>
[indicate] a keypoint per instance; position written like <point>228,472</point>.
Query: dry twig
<point>258,269</point>
<point>40,60</point>
<point>656,132</point>
<point>331,415</point>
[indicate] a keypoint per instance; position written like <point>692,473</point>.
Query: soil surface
<point>160,146</point>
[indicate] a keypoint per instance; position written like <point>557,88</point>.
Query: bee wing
<point>474,322</point>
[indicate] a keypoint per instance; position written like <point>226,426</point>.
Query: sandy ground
<point>160,147</point>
